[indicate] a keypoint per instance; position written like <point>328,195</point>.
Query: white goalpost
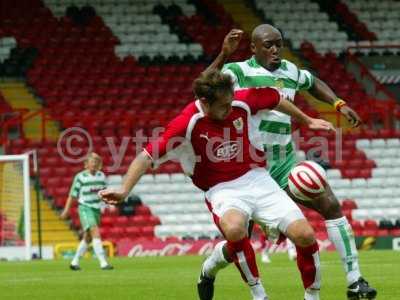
<point>15,206</point>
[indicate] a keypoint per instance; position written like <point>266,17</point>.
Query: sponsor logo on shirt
<point>227,150</point>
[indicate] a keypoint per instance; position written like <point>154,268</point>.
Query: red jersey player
<point>211,139</point>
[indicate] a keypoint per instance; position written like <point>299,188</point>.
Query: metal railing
<point>17,120</point>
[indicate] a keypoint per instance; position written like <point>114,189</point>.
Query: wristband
<point>339,103</point>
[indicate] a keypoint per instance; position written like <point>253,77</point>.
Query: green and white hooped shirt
<point>86,186</point>
<point>270,128</point>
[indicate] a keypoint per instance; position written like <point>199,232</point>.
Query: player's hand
<point>319,124</point>
<point>113,196</point>
<point>64,215</point>
<point>231,42</point>
<point>351,116</point>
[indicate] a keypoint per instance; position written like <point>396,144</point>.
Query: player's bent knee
<point>307,238</point>
<point>301,233</point>
<point>235,233</point>
<point>233,224</point>
<point>233,229</point>
<point>94,232</point>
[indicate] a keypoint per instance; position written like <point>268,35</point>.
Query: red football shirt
<point>213,151</point>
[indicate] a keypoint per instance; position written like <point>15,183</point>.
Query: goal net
<point>15,229</point>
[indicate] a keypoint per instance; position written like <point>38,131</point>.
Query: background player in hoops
<point>84,188</point>
<point>211,138</point>
<point>267,69</point>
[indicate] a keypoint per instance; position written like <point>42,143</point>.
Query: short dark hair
<point>210,84</point>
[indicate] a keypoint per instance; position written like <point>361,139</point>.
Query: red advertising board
<point>143,247</point>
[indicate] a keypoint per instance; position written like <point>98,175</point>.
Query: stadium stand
<point>6,44</point>
<point>137,23</point>
<point>330,69</point>
<point>381,18</point>
<point>115,67</point>
<point>4,107</point>
<point>347,20</point>
<point>303,20</point>
<point>379,198</point>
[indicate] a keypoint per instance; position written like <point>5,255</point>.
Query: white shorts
<point>259,197</point>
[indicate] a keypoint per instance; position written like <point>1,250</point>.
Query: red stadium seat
<point>76,223</point>
<point>54,182</point>
<point>370,232</point>
<point>350,173</point>
<point>105,232</point>
<point>348,204</point>
<point>107,221</point>
<point>366,173</point>
<point>356,163</point>
<point>370,225</point>
<point>348,214</point>
<point>111,211</point>
<point>121,221</point>
<point>142,210</point>
<point>117,232</point>
<point>319,226</point>
<point>153,220</point>
<point>60,172</point>
<point>46,172</point>
<point>313,215</point>
<point>133,232</point>
<point>369,164</point>
<point>356,225</point>
<point>138,220</point>
<point>148,231</point>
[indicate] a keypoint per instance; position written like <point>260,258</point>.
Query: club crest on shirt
<point>238,124</point>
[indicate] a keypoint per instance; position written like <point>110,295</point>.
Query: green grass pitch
<point>172,278</point>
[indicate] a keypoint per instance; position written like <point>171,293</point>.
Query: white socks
<point>258,292</point>
<point>82,247</point>
<point>311,294</point>
<point>291,249</point>
<point>98,249</point>
<point>265,256</point>
<point>341,235</point>
<point>215,262</point>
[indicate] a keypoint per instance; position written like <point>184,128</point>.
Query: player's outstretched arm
<point>324,93</point>
<point>229,46</point>
<point>290,109</point>
<point>67,207</point>
<point>136,169</point>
